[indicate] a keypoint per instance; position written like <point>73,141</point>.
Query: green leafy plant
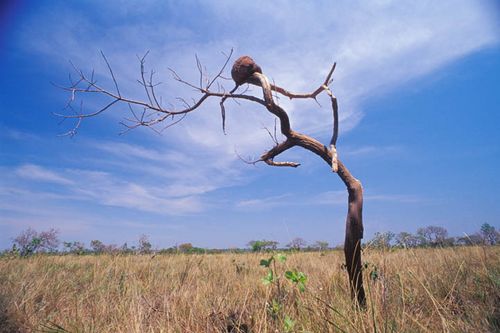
<point>298,278</point>
<point>373,271</point>
<point>270,264</point>
<point>275,273</point>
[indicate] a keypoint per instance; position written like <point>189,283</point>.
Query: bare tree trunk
<point>354,220</point>
<point>353,234</point>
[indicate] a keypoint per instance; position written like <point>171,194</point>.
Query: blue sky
<point>417,83</point>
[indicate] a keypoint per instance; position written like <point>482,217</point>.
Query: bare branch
<point>87,115</point>
<point>143,80</point>
<point>111,72</point>
<point>246,160</point>
<point>333,141</point>
<point>228,57</point>
<point>175,122</point>
<point>200,69</point>
<point>153,103</point>
<point>273,135</point>
<point>73,131</point>
<point>261,80</point>
<point>223,109</point>
<point>282,164</point>
<point>268,157</point>
<point>313,94</point>
<point>118,98</point>
<point>152,87</point>
<point>176,77</point>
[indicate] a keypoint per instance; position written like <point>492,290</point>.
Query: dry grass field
<point>423,290</point>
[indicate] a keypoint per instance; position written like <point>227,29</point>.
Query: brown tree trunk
<point>354,221</point>
<point>354,234</point>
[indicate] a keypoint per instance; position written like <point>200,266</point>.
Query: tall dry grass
<point>424,290</point>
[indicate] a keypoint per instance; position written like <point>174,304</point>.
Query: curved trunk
<point>354,221</point>
<point>354,234</point>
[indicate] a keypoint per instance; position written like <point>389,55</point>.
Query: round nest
<point>243,68</point>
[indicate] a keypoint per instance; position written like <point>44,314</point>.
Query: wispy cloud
<point>371,150</point>
<point>294,200</point>
<point>17,135</point>
<point>125,150</point>
<point>99,187</point>
<point>399,198</point>
<point>108,189</point>
<point>34,172</point>
<point>329,198</point>
<point>266,203</point>
<point>180,173</point>
<point>323,198</point>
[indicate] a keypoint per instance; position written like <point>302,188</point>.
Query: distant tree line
<point>30,242</point>
<point>434,236</point>
<point>296,244</point>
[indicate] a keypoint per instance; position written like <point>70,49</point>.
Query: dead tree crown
<point>154,113</point>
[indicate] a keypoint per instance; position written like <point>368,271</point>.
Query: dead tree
<point>244,72</point>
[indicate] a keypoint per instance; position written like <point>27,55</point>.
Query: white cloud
<point>100,188</point>
<point>179,173</point>
<point>400,198</point>
<point>113,190</point>
<point>324,198</point>
<point>125,150</point>
<point>371,150</point>
<point>329,198</point>
<point>266,203</point>
<point>16,135</point>
<point>293,200</point>
<point>34,172</point>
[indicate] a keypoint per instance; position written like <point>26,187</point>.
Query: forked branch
<point>152,111</point>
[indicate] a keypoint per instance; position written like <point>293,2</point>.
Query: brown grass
<point>424,290</point>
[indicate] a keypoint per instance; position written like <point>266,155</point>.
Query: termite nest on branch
<point>243,68</point>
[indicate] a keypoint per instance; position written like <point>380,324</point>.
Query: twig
<point>112,74</point>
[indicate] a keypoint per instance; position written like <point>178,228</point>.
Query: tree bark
<point>353,234</point>
<point>354,220</point>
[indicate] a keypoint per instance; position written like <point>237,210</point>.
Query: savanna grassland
<point>421,290</point>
